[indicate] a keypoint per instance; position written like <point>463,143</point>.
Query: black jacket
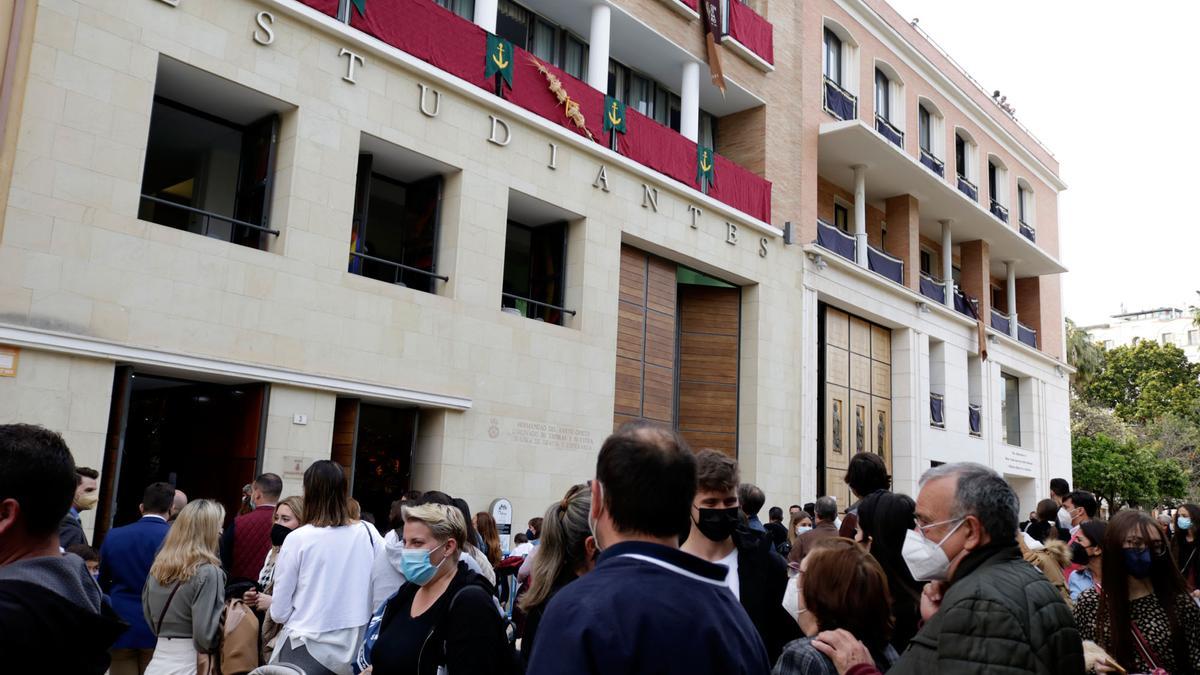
<point>469,639</point>
<point>70,532</point>
<point>763,579</point>
<point>47,604</point>
<point>999,615</point>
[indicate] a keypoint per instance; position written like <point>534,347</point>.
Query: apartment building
<point>451,243</point>
<point>1164,325</point>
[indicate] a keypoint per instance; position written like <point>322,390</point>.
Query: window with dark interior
<point>992,182</point>
<point>924,134</point>
<point>926,262</point>
<point>547,41</point>
<point>960,156</point>
<point>1022,204</point>
<point>1010,408</point>
<point>833,57</point>
<point>397,213</point>
<point>210,156</point>
<point>841,218</point>
<point>534,257</point>
<point>882,95</point>
<point>463,8</point>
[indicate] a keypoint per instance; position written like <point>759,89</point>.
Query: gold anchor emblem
<point>704,163</point>
<point>498,57</point>
<point>612,116</point>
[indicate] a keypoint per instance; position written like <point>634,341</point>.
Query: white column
<point>860,213</point>
<point>485,14</point>
<point>1010,269</point>
<point>948,263</point>
<point>598,47</point>
<point>689,102</point>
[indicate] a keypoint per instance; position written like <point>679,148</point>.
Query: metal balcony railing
<point>933,163</point>
<point>240,231</point>
<point>968,188</point>
<point>889,131</point>
<point>999,211</point>
<point>533,309</point>
<point>933,288</point>
<point>1001,322</point>
<point>829,237</point>
<point>1027,230</point>
<point>965,304</point>
<point>839,102</point>
<point>1027,335</point>
<point>885,265</point>
<point>398,269</point>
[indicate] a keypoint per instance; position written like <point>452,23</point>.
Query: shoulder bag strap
<point>1144,646</point>
<point>163,614</point>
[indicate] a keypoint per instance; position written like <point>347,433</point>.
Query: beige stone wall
<point>286,441</point>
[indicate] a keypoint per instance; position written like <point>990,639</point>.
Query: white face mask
<point>801,529</point>
<point>925,559</point>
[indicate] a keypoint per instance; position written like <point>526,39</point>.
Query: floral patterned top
<point>1151,619</point>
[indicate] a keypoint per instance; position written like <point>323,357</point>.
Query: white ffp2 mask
<point>925,559</point>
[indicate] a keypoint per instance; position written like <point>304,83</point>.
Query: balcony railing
<point>999,211</point>
<point>398,269</point>
<point>833,239</point>
<point>937,411</point>
<point>1000,322</point>
<point>750,29</point>
<point>1027,335</point>
<point>975,419</point>
<point>423,29</point>
<point>1027,231</point>
<point>885,265</point>
<point>933,163</point>
<point>533,309</point>
<point>968,188</point>
<point>839,102</point>
<point>240,231</point>
<point>889,131</point>
<point>933,288</point>
<point>966,305</point>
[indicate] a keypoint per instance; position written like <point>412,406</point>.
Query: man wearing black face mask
<point>757,574</point>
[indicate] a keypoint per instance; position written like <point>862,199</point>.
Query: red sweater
<point>251,541</point>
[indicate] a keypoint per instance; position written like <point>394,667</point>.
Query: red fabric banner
<point>753,31</point>
<point>531,91</point>
<point>694,5</point>
<point>429,32</point>
<point>740,188</point>
<point>323,6</point>
<point>660,148</point>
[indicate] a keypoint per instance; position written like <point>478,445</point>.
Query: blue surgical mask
<point>415,565</point>
<point>1138,562</point>
<point>1184,523</point>
<point>801,529</point>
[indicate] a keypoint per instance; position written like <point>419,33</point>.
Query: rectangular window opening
<point>1010,408</point>
<point>535,257</point>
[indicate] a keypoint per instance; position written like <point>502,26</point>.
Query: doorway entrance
<point>202,437</point>
<point>375,446</point>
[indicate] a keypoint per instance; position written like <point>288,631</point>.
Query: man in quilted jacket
<point>985,609</point>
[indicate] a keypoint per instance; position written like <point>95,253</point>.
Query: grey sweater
<point>194,612</point>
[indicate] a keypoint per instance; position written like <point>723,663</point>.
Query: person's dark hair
<point>87,472</point>
<point>1060,487</point>
<point>716,472</point>
<point>158,498</point>
<point>981,492</point>
<point>647,474</point>
<point>433,497</point>
<point>36,470</point>
<point>1094,531</point>
<point>795,506</point>
<point>84,551</point>
<point>520,538</point>
<point>886,518</point>
<point>848,589</point>
<point>472,534</point>
<point>1045,528</point>
<point>811,509</point>
<point>775,514</point>
<point>826,508</point>
<point>325,500</point>
<point>751,498</point>
<point>271,485</point>
<point>866,474</point>
<point>1168,585</point>
<point>1085,500</point>
<point>535,526</point>
<point>1193,512</point>
<point>396,515</point>
<point>410,496</point>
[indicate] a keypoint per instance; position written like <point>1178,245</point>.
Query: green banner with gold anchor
<point>614,115</point>
<point>705,166</point>
<point>499,58</point>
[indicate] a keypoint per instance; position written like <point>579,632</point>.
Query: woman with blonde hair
<point>444,617</point>
<point>567,552</point>
<point>183,598</point>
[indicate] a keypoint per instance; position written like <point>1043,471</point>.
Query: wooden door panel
<point>860,413</point>
<point>660,339</point>
<point>345,433</point>
<point>881,429</point>
<point>629,387</point>
<point>860,336</point>
<point>660,286</point>
<point>837,328</point>
<point>837,437</point>
<point>631,321</point>
<point>860,373</point>
<point>881,344</point>
<point>881,380</point>
<point>721,442</point>
<point>633,276</point>
<point>837,366</point>
<point>658,395</point>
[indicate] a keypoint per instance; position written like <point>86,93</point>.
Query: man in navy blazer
<point>125,560</point>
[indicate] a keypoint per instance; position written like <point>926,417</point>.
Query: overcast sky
<point>1113,93</point>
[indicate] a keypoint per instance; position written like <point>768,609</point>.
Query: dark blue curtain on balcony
<point>1028,232</point>
<point>975,420</point>
<point>965,187</point>
<point>835,240</point>
<point>882,264</point>
<point>841,105</point>
<point>937,413</point>
<point>1026,335</point>
<point>1000,322</point>
<point>964,305</point>
<point>889,132</point>
<point>933,163</point>
<point>933,290</point>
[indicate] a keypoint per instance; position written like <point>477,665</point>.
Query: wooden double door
<point>856,397</point>
<point>678,343</point>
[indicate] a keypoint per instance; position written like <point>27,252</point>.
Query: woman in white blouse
<point>322,579</point>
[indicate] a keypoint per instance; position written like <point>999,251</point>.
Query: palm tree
<point>1084,354</point>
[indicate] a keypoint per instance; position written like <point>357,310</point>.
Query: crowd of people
<point>659,563</point>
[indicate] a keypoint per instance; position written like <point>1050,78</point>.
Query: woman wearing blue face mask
<point>444,615</point>
<point>1142,616</point>
<point>1187,545</point>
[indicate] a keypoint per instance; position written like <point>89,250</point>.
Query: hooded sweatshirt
<point>45,600</point>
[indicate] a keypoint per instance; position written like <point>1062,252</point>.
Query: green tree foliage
<point>1122,473</point>
<point>1144,381</point>
<point>1085,355</point>
<point>1092,420</point>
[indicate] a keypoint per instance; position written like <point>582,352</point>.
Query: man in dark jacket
<point>70,530</point>
<point>756,574</point>
<point>826,510</point>
<point>986,610</point>
<point>52,618</point>
<point>647,607</point>
<point>245,542</point>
